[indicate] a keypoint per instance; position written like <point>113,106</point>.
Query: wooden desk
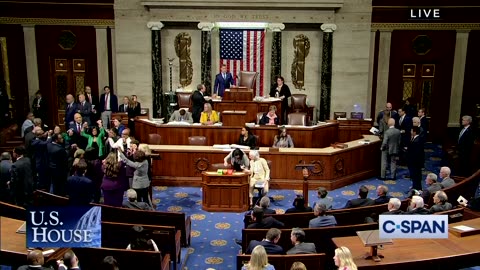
<point>333,167</point>
<point>352,128</point>
<point>252,107</point>
<point>452,253</point>
<point>233,118</point>
<point>237,94</point>
<point>11,240</point>
<point>303,137</point>
<point>225,193</point>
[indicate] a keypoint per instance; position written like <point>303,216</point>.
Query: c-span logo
<point>70,226</point>
<point>413,226</point>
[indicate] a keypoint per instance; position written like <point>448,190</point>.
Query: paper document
<point>374,130</point>
<point>464,228</point>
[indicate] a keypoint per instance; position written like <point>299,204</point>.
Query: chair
<point>259,117</point>
<point>217,166</point>
<point>184,100</point>
<point>248,79</point>
<point>297,119</point>
<point>154,138</point>
<point>337,115</point>
<point>257,141</point>
<point>197,140</point>
<point>299,103</point>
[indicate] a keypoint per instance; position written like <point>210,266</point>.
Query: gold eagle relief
<point>183,41</point>
<point>301,46</point>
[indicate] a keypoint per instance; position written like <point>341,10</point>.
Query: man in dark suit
<point>108,105</point>
<point>269,243</point>
<point>362,199</point>
<point>93,100</point>
<point>322,220</point>
<point>300,247</point>
<point>132,201</point>
<point>22,178</point>
<point>466,140</point>
<point>84,108</point>
<point>40,159</point>
<point>404,124</point>
<point>124,106</point>
<point>197,102</point>
<point>423,119</point>
<point>416,207</point>
<point>39,106</point>
<point>261,222</point>
<point>415,158</point>
<point>382,192</point>
<point>445,175</point>
<point>388,109</point>
<point>5,176</point>
<point>223,80</point>
<point>393,207</point>
<point>35,261</point>
<point>432,186</point>
<point>299,206</point>
<point>76,126</point>
<point>80,189</point>
<point>70,110</point>
<point>57,164</point>
<point>390,149</point>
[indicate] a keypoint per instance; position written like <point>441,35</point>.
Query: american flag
<point>243,50</point>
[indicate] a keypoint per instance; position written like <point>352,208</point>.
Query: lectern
<point>225,193</point>
<point>372,239</point>
<point>305,171</point>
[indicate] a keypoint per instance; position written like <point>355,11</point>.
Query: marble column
<point>206,59</point>
<point>215,47</point>
<point>458,75</point>
<point>159,104</point>
<point>114,58</point>
<point>326,71</point>
<point>102,56</point>
<point>31,61</point>
<point>383,68</point>
<point>276,60</point>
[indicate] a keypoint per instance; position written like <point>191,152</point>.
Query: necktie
<point>461,133</point>
<point>89,98</point>
<point>224,76</point>
<point>106,99</point>
<point>78,128</point>
<point>401,120</point>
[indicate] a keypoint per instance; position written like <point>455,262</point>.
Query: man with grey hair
<point>70,109</point>
<point>264,204</point>
<point>382,193</point>
<point>84,108</point>
<point>466,139</point>
<point>441,203</point>
<point>300,247</point>
<point>5,176</point>
<point>322,220</point>
<point>432,186</point>
<point>445,175</point>
<point>394,207</point>
<point>416,207</point>
<point>132,201</point>
<point>390,150</point>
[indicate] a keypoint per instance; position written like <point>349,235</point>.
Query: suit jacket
<point>70,112</point>
<point>22,181</point>
<point>359,202</point>
<point>261,168</point>
<point>284,91</point>
<point>197,105</point>
<point>417,211</point>
<point>5,174</point>
<point>80,190</point>
<point>299,209</point>
<point>391,141</point>
<point>113,103</point>
<point>176,117</point>
<point>93,100</point>
<point>57,157</point>
<point>382,199</point>
<point>251,141</point>
<point>405,127</point>
<point>39,148</point>
<point>303,248</point>
<point>393,114</point>
<point>40,112</point>
<point>447,182</point>
<point>424,123</point>
<point>440,207</point>
<point>265,120</point>
<point>86,111</point>
<point>465,142</point>
<point>266,223</point>
<point>137,205</point>
<point>394,212</point>
<point>221,84</point>
<point>322,221</point>
<point>27,267</point>
<point>140,176</point>
<point>123,108</point>
<point>415,152</point>
<point>426,193</point>
<point>270,247</point>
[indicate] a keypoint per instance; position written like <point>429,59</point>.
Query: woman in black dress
<point>280,90</point>
<point>247,138</point>
<point>133,111</point>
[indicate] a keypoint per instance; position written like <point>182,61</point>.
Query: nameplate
<point>339,145</point>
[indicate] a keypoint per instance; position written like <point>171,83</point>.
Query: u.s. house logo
<point>413,226</point>
<point>70,226</point>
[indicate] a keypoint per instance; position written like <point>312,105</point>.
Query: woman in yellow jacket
<point>259,173</point>
<point>208,116</point>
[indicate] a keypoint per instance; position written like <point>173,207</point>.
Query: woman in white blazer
<point>259,173</point>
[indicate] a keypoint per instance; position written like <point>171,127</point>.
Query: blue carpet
<point>213,234</point>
